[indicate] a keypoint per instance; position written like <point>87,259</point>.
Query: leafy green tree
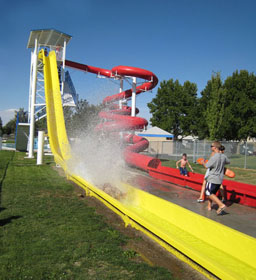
<point>9,128</point>
<point>1,126</point>
<point>41,125</point>
<point>203,131</point>
<point>174,107</point>
<point>83,117</point>
<point>215,107</point>
<point>240,111</point>
<point>68,113</point>
<point>189,117</point>
<point>22,115</point>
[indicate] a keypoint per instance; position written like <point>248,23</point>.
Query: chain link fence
<point>241,154</point>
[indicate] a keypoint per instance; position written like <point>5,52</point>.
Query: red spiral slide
<point>120,120</point>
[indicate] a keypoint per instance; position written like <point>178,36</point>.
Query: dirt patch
<point>140,247</point>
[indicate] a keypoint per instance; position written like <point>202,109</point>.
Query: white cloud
<point>7,115</point>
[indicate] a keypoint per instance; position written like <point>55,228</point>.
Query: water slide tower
<point>47,39</point>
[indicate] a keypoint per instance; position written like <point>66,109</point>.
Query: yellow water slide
<point>201,242</point>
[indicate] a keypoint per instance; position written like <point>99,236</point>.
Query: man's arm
<point>227,160</point>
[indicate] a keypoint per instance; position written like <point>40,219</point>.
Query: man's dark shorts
<point>211,188</point>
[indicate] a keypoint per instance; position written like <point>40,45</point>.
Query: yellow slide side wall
<point>55,118</point>
<point>223,251</point>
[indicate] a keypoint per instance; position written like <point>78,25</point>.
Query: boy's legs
<point>185,171</point>
<point>181,171</point>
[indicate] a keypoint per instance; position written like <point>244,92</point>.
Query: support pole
<point>30,86</point>
<point>134,83</point>
<point>63,68</point>
<point>245,154</point>
<point>32,103</point>
<point>121,90</point>
<point>40,147</point>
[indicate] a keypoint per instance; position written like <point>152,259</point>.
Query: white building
<point>160,141</point>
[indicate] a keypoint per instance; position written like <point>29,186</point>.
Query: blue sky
<point>179,39</point>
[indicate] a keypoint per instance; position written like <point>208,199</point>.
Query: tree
<point>174,107</point>
<point>215,107</point>
<point>41,124</point>
<point>68,113</point>
<point>10,127</point>
<point>189,118</point>
<point>83,117</point>
<point>240,111</point>
<point>1,126</point>
<point>21,115</point>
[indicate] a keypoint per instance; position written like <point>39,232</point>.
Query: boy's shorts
<point>183,171</point>
<point>211,188</point>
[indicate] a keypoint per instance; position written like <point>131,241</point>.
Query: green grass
<point>10,141</point>
<point>48,232</point>
<point>242,175</point>
<point>239,160</point>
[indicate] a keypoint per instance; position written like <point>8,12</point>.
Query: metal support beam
<point>134,83</point>
<point>63,67</point>
<point>121,90</point>
<point>32,102</point>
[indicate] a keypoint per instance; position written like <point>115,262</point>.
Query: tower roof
<point>48,37</point>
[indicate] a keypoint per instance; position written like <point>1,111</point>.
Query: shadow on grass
<point>2,179</point>
<point>6,221</point>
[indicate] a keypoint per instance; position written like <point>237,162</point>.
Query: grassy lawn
<point>242,175</point>
<point>238,161</point>
<point>47,232</point>
<point>10,141</point>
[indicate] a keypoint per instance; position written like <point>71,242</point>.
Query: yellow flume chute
<point>224,252</point>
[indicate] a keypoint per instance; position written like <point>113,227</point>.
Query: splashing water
<point>99,160</point>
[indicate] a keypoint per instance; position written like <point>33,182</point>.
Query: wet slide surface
<point>236,216</point>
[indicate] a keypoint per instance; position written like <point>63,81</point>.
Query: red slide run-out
<point>120,120</point>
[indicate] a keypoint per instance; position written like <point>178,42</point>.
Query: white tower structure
<point>47,39</point>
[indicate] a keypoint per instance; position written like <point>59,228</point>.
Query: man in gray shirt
<point>216,165</point>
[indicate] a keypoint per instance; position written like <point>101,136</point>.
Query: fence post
<point>245,154</point>
<point>204,149</point>
<point>176,149</point>
<point>194,151</point>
